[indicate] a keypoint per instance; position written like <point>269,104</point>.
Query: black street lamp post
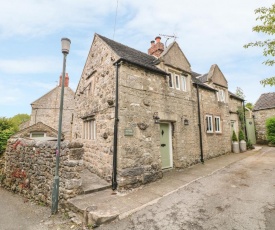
<point>55,192</point>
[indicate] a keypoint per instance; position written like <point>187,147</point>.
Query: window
<point>177,82</point>
<point>89,130</point>
<point>209,124</point>
<point>38,134</point>
<point>170,81</point>
<point>217,124</point>
<point>184,83</point>
<point>221,95</point>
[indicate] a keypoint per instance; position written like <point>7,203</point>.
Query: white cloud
<point>35,18</point>
<point>30,65</point>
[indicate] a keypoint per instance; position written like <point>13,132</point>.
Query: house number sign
<point>128,132</point>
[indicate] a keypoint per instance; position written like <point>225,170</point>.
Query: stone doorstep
<point>86,209</point>
<point>92,183</point>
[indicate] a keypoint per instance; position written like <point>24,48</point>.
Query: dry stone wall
<point>30,168</point>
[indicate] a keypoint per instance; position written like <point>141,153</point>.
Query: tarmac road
<point>18,213</point>
<point>240,196</point>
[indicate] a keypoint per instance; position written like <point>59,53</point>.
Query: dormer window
<point>170,81</point>
<point>177,81</point>
<point>184,83</point>
<point>221,95</point>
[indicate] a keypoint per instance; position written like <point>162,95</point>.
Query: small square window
<point>89,130</point>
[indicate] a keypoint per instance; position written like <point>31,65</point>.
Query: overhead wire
<point>115,20</point>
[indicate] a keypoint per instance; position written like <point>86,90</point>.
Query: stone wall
<point>30,168</point>
<point>260,117</point>
<point>215,143</point>
<point>95,96</point>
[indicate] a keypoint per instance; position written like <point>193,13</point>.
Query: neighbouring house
<point>236,106</point>
<point>138,114</point>
<point>263,109</point>
<point>38,131</point>
<point>46,110</point>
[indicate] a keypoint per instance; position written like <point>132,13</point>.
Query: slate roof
<point>196,80</point>
<point>203,78</point>
<point>266,101</point>
<point>235,96</point>
<point>133,56</point>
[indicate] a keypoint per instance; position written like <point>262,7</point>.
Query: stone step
<point>92,183</point>
<point>90,208</point>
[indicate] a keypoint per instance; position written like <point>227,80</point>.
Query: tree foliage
<point>241,136</point>
<point>267,18</point>
<point>270,130</point>
<point>249,105</point>
<point>9,126</point>
<point>234,136</point>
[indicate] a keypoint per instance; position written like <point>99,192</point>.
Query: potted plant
<point>242,141</point>
<point>235,143</point>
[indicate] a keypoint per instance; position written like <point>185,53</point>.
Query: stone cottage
<point>264,108</point>
<point>46,110</point>
<point>138,114</point>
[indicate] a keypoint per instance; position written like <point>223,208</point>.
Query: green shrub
<point>270,130</point>
<point>241,136</point>
<point>249,144</point>
<point>234,136</point>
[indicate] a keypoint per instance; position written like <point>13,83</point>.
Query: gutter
<point>199,124</point>
<point>142,66</point>
<point>114,174</point>
<point>244,118</point>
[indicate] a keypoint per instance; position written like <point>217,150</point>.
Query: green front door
<point>165,145</point>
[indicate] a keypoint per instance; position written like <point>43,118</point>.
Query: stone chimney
<point>156,47</point>
<point>66,83</point>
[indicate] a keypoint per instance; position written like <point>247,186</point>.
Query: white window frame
<point>89,129</point>
<point>217,120</point>
<point>184,83</point>
<point>37,134</point>
<point>177,82</point>
<point>221,95</point>
<point>209,123</point>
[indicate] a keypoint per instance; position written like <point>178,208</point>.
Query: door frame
<point>170,144</point>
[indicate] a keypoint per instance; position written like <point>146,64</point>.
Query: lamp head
<point>65,43</point>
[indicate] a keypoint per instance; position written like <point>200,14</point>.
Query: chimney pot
<point>152,43</point>
<point>158,38</point>
<point>66,83</point>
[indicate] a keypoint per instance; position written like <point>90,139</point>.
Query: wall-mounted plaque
<point>128,132</point>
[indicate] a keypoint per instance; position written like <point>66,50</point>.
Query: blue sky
<point>209,32</point>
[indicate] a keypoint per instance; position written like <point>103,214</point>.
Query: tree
<point>7,128</point>
<point>270,130</point>
<point>20,118</point>
<point>267,18</point>
<point>249,105</point>
<point>240,93</point>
